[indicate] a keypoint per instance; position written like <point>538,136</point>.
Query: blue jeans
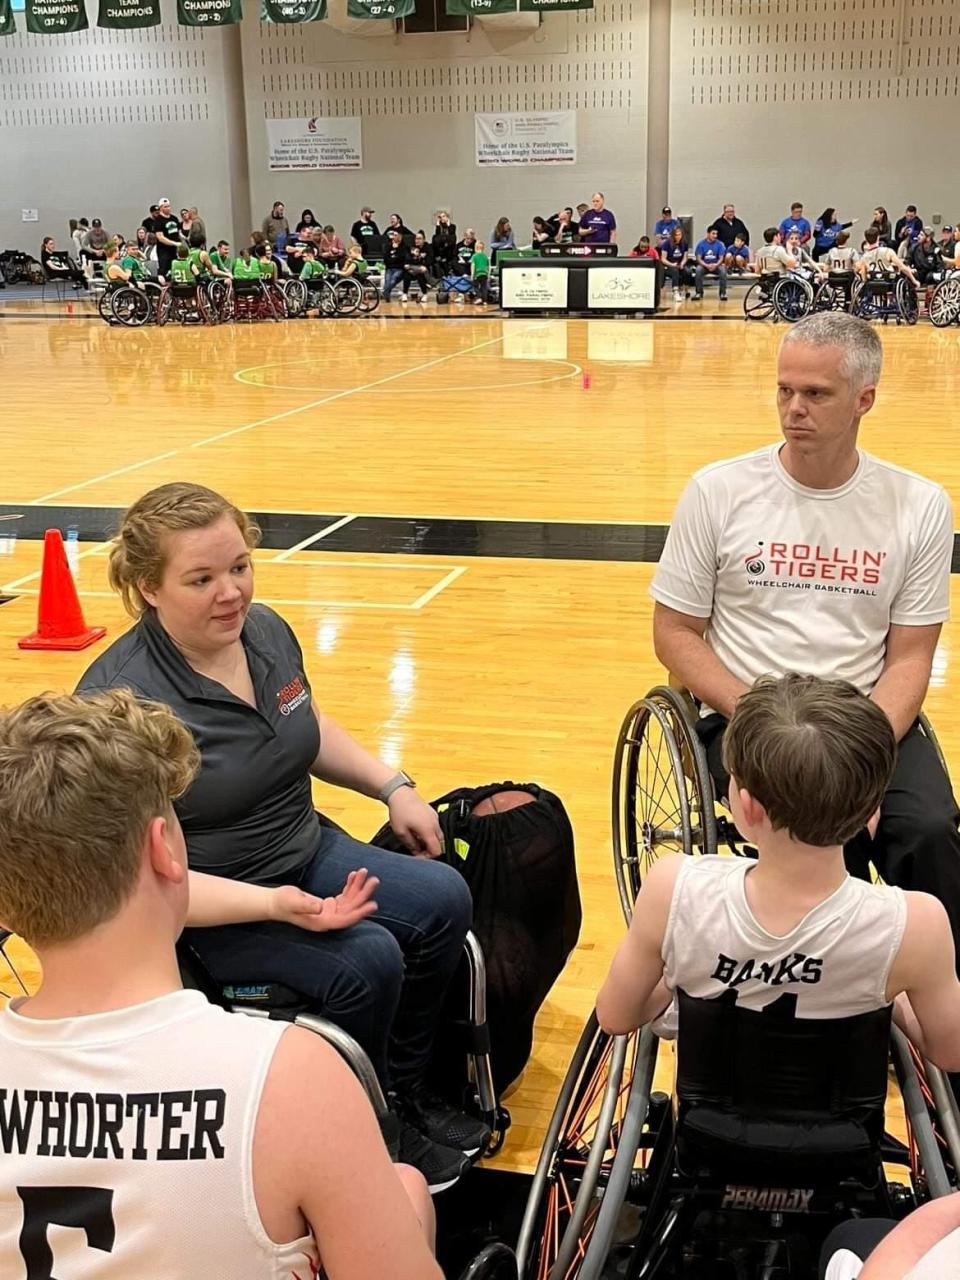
<point>384,980</point>
<point>721,274</point>
<point>391,278</point>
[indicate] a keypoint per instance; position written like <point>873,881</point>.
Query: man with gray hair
<point>811,555</point>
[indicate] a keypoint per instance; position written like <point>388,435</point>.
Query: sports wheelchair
<point>883,297</point>
<point>943,306</point>
<point>775,1131</point>
<point>185,303</point>
<point>279,1002</point>
<point>790,296</point>
<point>131,305</point>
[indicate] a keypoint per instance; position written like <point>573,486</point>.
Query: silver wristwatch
<point>398,780</point>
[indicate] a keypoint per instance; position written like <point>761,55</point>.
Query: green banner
<point>209,13</point>
<point>55,17</point>
<point>460,7</point>
<point>380,8</point>
<point>125,15</point>
<point>293,10</point>
<point>7,25</point>
<point>528,6</point>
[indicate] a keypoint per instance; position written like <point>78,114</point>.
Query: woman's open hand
<point>353,903</point>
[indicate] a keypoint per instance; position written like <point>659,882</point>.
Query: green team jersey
<point>479,265</point>
<point>222,264</point>
<point>134,266</point>
<point>194,257</point>
<point>246,270</point>
<point>181,271</point>
<point>361,266</point>
<point>312,270</point>
<point>267,268</point>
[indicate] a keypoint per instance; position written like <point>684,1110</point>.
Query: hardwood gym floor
<point>490,495</point>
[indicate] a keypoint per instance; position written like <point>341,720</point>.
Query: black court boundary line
<point>400,535</point>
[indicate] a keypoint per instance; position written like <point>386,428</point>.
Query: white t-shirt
<point>126,1145</point>
<point>836,960</point>
<point>842,259</point>
<point>807,580</point>
<point>773,259</point>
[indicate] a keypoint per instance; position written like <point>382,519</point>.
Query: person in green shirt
<point>480,273</point>
<point>356,264</point>
<point>132,263</point>
<point>182,268</point>
<point>268,268</point>
<point>246,267</point>
<point>114,272</point>
<point>221,259</point>
<point>311,269</point>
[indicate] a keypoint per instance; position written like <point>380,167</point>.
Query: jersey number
<point>89,1208</point>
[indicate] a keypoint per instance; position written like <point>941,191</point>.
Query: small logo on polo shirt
<point>291,696</point>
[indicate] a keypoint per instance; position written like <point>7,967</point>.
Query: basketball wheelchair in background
<point>885,297</point>
<point>790,296</point>
<point>743,1171</point>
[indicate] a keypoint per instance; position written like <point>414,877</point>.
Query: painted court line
<point>108,475</point>
<point>442,585</point>
<point>308,542</point>
<point>271,600</point>
<point>29,577</point>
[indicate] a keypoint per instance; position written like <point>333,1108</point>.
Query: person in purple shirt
<point>796,222</point>
<point>598,225</point>
<point>710,254</point>
<point>663,227</point>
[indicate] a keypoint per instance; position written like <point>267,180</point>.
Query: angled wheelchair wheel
<point>792,298</point>
<point>908,302</point>
<point>105,306</point>
<point>220,298</point>
<point>662,793</point>
<point>347,294</point>
<point>578,1152</point>
<point>131,307</point>
<point>370,299</point>
<point>944,307</point>
<point>164,308</point>
<point>757,303</point>
<point>295,298</point>
<point>497,1262</point>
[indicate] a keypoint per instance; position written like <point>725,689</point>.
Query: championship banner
<point>460,7</point>
<point>208,13</point>
<point>7,25</point>
<point>380,8</point>
<point>293,10</point>
<point>536,287</point>
<point>125,15</point>
<point>323,142</point>
<point>55,17</point>
<point>527,6</point>
<point>542,137</point>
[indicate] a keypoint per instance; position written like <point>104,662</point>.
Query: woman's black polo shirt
<point>249,814</point>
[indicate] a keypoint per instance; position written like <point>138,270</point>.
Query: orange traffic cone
<point>60,621</point>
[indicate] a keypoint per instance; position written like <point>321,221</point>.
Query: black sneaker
<point>444,1123</point>
<point>441,1166</point>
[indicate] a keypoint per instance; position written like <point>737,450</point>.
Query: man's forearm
<point>900,692</point>
<point>214,900</point>
<point>690,660</point>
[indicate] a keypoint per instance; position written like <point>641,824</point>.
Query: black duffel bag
<point>513,844</point>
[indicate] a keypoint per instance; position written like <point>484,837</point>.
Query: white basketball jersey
<point>835,961</point>
<point>126,1146</point>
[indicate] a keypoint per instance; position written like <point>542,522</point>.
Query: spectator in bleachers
<point>773,259</point>
<point>197,239</point>
<point>395,258</point>
<point>307,221</point>
<point>568,229</point>
<point>366,233</point>
<point>147,223</point>
<point>710,254</point>
<point>909,227</point>
<point>644,249</point>
<point>296,244</point>
<point>948,245</point>
<point>444,244</point>
<point>396,223</point>
<point>331,250</point>
<point>825,231</point>
<point>275,227</point>
<point>728,226</point>
<point>598,225</point>
<point>925,258</point>
<point>674,256</point>
<point>466,248</point>
<point>185,224</point>
<point>480,273</point>
<point>57,264</point>
<point>796,222</point>
<point>76,237</point>
<point>94,244</point>
<point>541,232</point>
<point>881,221</point>
<point>737,257</point>
<point>166,233</point>
<point>663,228</point>
<point>502,238</point>
<point>419,265</point>
<point>142,240</point>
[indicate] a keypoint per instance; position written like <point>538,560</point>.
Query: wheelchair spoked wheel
<point>944,306</point>
<point>347,295</point>
<point>219,295</point>
<point>578,1152</point>
<point>757,303</point>
<point>164,305</point>
<point>131,307</point>
<point>105,306</point>
<point>907,301</point>
<point>370,299</point>
<point>792,298</point>
<point>662,793</point>
<point>295,298</point>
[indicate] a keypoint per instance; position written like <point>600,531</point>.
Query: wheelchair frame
<point>883,297</point>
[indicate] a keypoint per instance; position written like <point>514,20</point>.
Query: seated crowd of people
<point>172,791</point>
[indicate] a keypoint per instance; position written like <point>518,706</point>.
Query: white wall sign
<point>29,215</point>
<point>322,142</point>
<point>620,288</point>
<point>534,287</point>
<point>542,137</point>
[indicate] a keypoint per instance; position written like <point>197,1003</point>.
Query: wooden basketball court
<point>462,518</point>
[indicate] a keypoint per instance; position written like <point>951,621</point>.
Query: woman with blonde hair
<point>233,671</point>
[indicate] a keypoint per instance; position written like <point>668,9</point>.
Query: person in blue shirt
<point>663,227</point>
<point>909,227</point>
<point>796,222</point>
<point>598,225</point>
<point>825,231</point>
<point>674,255</point>
<point>710,255</point>
<point>737,256</point>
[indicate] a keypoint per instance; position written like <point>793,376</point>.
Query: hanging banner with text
<point>541,137</point>
<point>55,17</point>
<point>293,10</point>
<point>528,6</point>
<point>325,142</point>
<point>460,7</point>
<point>380,8</point>
<point>208,13</point>
<point>7,25</point>
<point>124,15</point>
